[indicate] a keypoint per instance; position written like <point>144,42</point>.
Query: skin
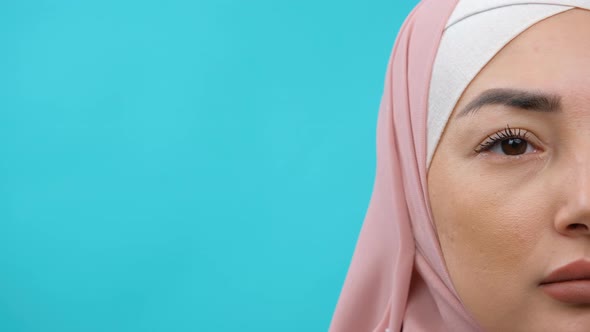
<point>506,221</point>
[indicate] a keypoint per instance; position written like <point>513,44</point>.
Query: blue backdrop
<point>185,165</point>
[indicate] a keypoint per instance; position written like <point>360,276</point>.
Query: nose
<point>573,218</point>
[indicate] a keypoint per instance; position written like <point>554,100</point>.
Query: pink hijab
<point>397,275</point>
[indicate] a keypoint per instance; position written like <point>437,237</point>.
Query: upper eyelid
<point>510,133</point>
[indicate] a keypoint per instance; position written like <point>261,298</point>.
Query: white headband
<point>475,32</point>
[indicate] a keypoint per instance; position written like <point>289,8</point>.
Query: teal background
<point>185,165</point>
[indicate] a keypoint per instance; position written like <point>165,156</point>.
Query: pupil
<point>514,146</point>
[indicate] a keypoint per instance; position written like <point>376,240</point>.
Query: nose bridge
<point>578,179</point>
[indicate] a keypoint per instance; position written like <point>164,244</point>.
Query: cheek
<point>485,225</point>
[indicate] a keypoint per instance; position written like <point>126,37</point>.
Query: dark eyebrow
<point>526,100</point>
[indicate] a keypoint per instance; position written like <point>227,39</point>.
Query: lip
<point>569,283</point>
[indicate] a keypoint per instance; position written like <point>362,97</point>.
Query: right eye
<point>507,142</point>
<point>512,147</point>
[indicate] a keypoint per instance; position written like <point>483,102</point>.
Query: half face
<point>509,184</point>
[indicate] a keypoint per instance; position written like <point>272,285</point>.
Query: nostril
<point>577,227</point>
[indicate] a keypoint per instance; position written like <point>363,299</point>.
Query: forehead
<point>553,56</point>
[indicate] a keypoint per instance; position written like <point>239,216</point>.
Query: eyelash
<point>504,134</point>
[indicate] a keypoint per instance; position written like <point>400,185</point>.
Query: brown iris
<point>514,146</point>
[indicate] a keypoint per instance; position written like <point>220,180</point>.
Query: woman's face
<point>509,184</point>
